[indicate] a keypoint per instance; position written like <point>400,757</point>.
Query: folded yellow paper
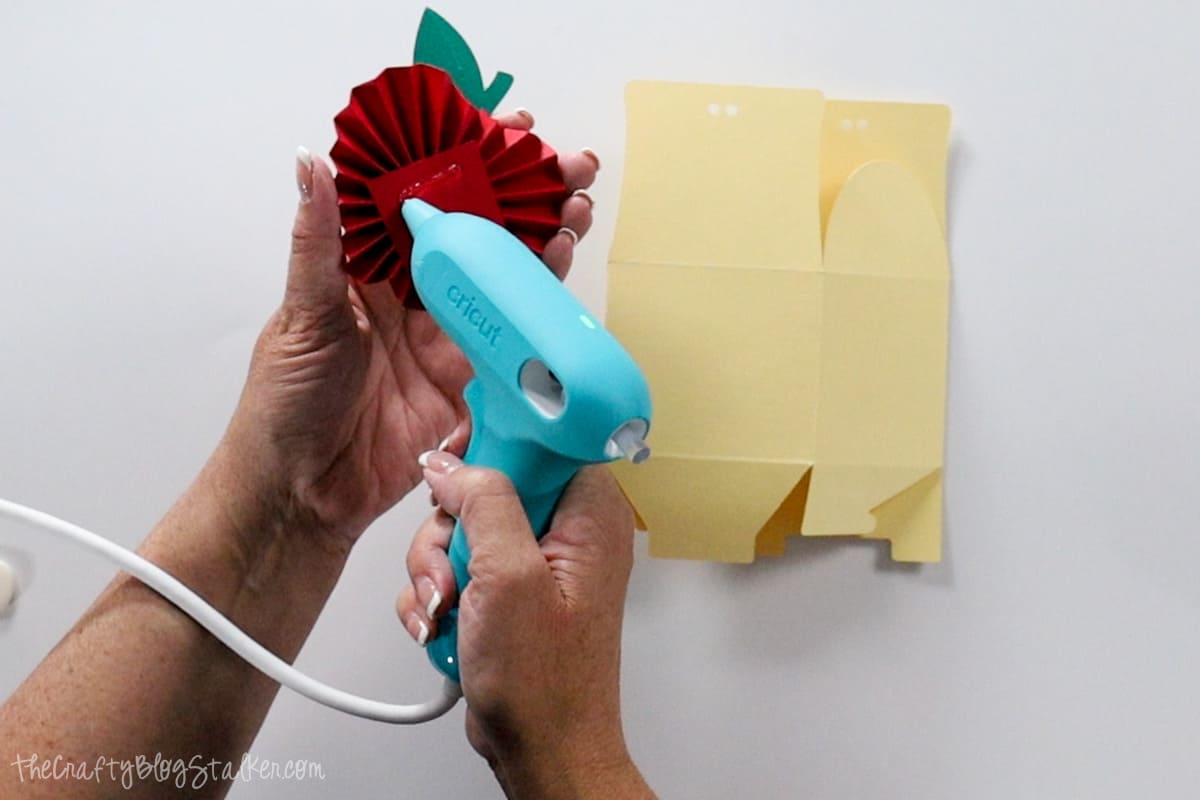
<point>779,271</point>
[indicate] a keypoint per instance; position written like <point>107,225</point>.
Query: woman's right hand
<point>539,627</point>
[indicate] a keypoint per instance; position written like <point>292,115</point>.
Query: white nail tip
<point>574,236</point>
<point>304,156</point>
<point>434,602</point>
<point>423,636</point>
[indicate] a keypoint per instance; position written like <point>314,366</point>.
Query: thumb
<point>492,517</point>
<point>315,278</point>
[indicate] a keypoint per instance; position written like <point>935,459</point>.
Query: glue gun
<point>553,390</point>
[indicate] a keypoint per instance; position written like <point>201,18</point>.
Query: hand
<point>346,386</point>
<point>539,627</point>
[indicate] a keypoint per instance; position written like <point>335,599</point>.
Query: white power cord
<point>231,635</point>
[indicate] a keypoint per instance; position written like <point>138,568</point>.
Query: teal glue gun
<point>552,392</point>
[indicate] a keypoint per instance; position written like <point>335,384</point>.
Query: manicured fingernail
<point>428,594</point>
<point>304,173</point>
<point>574,236</point>
<point>360,319</point>
<point>591,201</point>
<point>524,112</point>
<point>332,167</point>
<point>590,153</point>
<point>417,629</point>
<point>439,461</point>
<point>444,443</point>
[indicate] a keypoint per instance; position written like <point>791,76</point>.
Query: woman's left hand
<point>346,386</point>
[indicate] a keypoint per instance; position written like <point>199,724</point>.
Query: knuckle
<point>405,601</point>
<point>427,553</point>
<point>522,590</point>
<point>299,326</point>
<point>482,488</point>
<point>587,526</point>
<point>526,573</point>
<point>307,244</point>
<point>602,506</point>
<point>615,499</point>
<point>416,561</point>
<point>625,521</point>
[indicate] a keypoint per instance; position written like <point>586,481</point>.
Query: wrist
<point>264,519</point>
<point>570,768</point>
<point>610,780</point>
<point>250,551</point>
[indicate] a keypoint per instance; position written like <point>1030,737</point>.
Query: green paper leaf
<point>440,45</point>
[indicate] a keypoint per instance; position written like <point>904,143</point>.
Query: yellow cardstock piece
<point>780,273</point>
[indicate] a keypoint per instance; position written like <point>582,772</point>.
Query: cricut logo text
<point>464,303</point>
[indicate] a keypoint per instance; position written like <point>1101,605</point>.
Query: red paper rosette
<point>411,133</point>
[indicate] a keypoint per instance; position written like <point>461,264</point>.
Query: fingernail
<point>360,319</point>
<point>591,201</point>
<point>524,112</point>
<point>444,443</point>
<point>574,236</point>
<point>304,173</point>
<point>417,629</point>
<point>590,153</point>
<point>332,167</point>
<point>428,594</point>
<point>439,461</point>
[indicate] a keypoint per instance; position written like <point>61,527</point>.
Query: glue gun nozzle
<point>417,212</point>
<point>637,451</point>
<point>628,442</point>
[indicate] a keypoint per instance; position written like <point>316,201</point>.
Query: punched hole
<point>542,389</point>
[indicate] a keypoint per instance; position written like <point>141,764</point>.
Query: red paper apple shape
<point>411,133</point>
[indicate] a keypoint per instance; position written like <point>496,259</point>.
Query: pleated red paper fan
<point>411,133</point>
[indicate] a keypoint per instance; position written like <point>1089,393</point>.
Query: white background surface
<point>145,198</point>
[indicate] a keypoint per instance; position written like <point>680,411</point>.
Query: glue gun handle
<point>540,477</point>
